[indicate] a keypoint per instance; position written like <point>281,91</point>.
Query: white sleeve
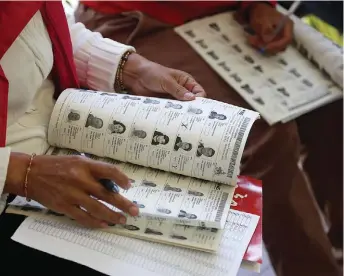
<point>96,58</point>
<point>4,159</point>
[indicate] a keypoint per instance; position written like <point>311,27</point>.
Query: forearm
<point>13,173</point>
<point>96,58</point>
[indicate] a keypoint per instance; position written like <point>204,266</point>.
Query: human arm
<point>263,18</point>
<point>69,185</point>
<point>97,59</point>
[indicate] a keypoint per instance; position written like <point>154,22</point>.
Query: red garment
<point>64,72</point>
<point>171,12</point>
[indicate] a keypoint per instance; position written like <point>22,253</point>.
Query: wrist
<point>132,70</point>
<point>16,173</point>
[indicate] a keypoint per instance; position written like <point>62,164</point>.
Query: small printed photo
<point>153,232</point>
<point>108,94</point>
<point>164,211</point>
<point>93,121</point>
<point>226,38</point>
<point>133,98</point>
<point>190,33</point>
<point>178,237</point>
<point>205,151</point>
<point>159,138</point>
<point>183,214</point>
<point>201,43</point>
<point>179,144</point>
<point>173,105</point>
<point>249,59</point>
<point>194,110</point>
<point>236,77</point>
<point>169,188</point>
<point>73,116</point>
<point>259,100</point>
<point>215,26</point>
<point>116,127</point>
<point>150,101</point>
<point>224,66</point>
<point>218,116</point>
<point>147,183</point>
<point>131,227</point>
<point>219,171</point>
<point>139,133</point>
<point>195,193</point>
<point>294,72</point>
<point>283,91</point>
<point>258,68</point>
<point>247,88</point>
<point>307,82</point>
<point>237,48</point>
<point>282,61</point>
<point>213,55</point>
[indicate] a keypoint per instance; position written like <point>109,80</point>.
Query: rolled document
<point>327,55</point>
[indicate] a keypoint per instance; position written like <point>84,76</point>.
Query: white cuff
<point>96,58</point>
<point>4,160</point>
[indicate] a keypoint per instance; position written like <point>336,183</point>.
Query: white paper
<point>201,138</point>
<point>279,87</point>
<point>118,255</point>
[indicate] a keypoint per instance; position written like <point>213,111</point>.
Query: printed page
<point>278,87</point>
<point>119,255</point>
<point>323,53</point>
<point>202,138</point>
<point>171,198</point>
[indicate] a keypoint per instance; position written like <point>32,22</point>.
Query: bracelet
<point>119,75</point>
<point>27,176</point>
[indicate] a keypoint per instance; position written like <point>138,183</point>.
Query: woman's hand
<point>263,19</point>
<point>68,185</point>
<point>146,78</point>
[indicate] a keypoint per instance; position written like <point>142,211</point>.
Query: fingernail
<point>104,225</point>
<point>189,96</point>
<point>122,220</point>
<point>133,211</point>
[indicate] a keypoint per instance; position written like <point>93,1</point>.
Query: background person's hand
<point>68,185</point>
<point>263,19</point>
<point>146,78</point>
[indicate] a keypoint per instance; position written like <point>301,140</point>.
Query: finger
<point>264,29</point>
<point>100,210</point>
<point>85,218</point>
<point>179,92</point>
<point>192,85</point>
<point>114,199</point>
<point>283,40</point>
<point>102,170</point>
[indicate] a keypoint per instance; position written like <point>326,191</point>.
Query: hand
<point>146,78</point>
<point>68,185</point>
<point>263,19</point>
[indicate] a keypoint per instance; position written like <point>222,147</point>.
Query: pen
<point>106,183</point>
<point>283,21</point>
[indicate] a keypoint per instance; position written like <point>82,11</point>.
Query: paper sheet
<point>279,87</point>
<point>118,255</point>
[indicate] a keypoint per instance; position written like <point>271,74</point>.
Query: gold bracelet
<point>119,75</point>
<point>27,176</point>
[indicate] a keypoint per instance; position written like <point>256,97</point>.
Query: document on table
<point>119,255</point>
